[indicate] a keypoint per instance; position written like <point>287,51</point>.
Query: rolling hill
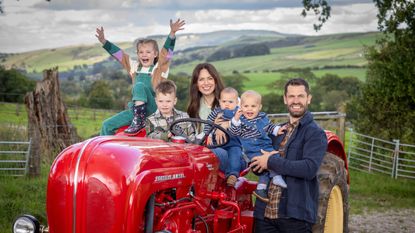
<point>339,53</point>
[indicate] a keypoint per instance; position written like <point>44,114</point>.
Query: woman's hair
<point>155,46</point>
<point>195,95</point>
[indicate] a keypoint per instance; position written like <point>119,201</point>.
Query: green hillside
<point>317,52</point>
<point>334,50</point>
<point>65,58</point>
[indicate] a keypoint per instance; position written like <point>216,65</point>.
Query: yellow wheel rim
<point>334,215</point>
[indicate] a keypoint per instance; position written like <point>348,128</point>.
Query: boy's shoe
<point>261,194</point>
<point>231,180</point>
<point>278,180</point>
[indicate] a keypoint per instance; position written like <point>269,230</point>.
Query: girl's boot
<point>139,120</point>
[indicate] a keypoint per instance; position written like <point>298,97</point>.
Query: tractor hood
<point>103,184</point>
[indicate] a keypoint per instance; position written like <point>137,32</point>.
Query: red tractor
<point>113,184</point>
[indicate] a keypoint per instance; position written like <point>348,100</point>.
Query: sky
<point>28,25</point>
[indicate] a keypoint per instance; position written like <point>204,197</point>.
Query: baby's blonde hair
<point>230,90</point>
<point>251,94</point>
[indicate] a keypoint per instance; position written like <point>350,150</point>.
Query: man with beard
<point>293,209</point>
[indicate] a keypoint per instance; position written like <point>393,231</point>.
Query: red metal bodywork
<point>102,185</point>
<point>335,146</point>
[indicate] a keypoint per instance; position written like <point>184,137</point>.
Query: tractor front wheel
<point>333,210</point>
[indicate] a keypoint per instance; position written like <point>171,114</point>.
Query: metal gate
<point>14,158</point>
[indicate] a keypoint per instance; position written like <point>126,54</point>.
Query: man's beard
<point>297,114</point>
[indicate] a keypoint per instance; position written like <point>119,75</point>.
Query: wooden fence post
<point>350,145</point>
<point>341,126</point>
<point>34,155</point>
<point>17,109</point>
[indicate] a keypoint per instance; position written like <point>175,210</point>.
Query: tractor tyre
<point>333,209</point>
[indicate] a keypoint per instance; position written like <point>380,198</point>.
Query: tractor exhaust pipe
<point>150,214</point>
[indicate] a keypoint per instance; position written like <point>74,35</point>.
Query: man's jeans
<point>282,225</point>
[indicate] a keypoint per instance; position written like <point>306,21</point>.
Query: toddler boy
<point>158,124</point>
<point>253,127</point>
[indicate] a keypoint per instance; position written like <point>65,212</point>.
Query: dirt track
<point>399,221</point>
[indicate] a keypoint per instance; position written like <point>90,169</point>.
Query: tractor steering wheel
<point>176,130</point>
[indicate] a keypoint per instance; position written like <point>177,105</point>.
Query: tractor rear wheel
<point>333,210</point>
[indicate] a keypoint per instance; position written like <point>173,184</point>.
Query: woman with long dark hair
<point>205,88</point>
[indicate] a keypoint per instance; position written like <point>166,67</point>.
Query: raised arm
<point>100,35</point>
<point>166,53</point>
<point>175,27</point>
<point>114,51</point>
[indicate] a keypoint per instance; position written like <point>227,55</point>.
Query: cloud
<point>62,5</point>
<point>35,24</point>
<point>286,20</point>
<point>177,4</point>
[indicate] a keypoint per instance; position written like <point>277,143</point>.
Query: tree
<point>100,95</point>
<point>220,54</point>
<point>1,8</point>
<point>332,93</point>
<point>182,82</point>
<point>320,8</point>
<point>236,81</point>
<point>386,105</point>
<point>252,50</point>
<point>272,103</point>
<point>14,85</point>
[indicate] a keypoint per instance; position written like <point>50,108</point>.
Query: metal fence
<point>14,158</point>
<point>333,121</point>
<point>370,154</point>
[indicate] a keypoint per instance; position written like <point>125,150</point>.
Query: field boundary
<point>14,157</point>
<point>370,154</point>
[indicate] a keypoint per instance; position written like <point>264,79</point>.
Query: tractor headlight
<point>26,224</point>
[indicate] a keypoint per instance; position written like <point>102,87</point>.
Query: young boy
<point>228,105</point>
<point>253,127</point>
<point>158,123</point>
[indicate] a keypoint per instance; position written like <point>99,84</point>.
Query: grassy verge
<point>22,195</point>
<point>368,192</point>
<point>378,192</point>
<point>87,121</point>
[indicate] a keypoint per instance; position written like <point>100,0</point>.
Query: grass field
<point>18,195</point>
<point>330,51</point>
<point>87,121</point>
<point>334,51</point>
<point>368,192</point>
